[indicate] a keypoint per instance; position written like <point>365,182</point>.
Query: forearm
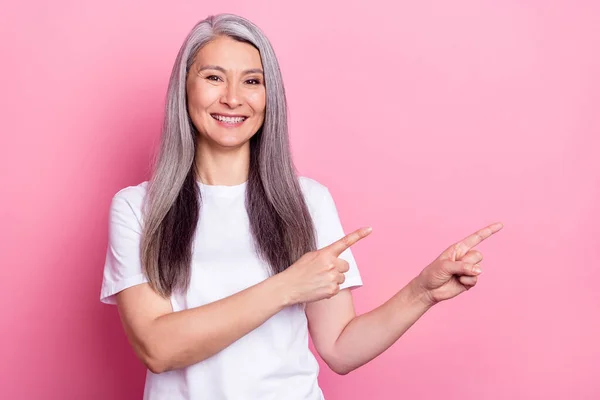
<point>370,334</point>
<point>183,338</point>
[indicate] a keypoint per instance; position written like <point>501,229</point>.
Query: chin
<point>229,142</point>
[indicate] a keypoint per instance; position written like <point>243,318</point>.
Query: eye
<point>253,81</point>
<point>214,78</point>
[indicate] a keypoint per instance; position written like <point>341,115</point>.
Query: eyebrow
<point>223,70</point>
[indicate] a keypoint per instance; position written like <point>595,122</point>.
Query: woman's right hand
<point>318,274</point>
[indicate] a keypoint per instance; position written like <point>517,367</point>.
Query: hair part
<point>280,223</point>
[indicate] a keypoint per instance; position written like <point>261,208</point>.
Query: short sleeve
<point>329,229</point>
<point>122,267</point>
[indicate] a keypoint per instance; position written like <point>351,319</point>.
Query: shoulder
<point>311,187</point>
<point>132,194</point>
<point>128,201</point>
<point>314,192</point>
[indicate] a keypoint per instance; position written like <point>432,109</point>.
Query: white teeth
<point>230,120</point>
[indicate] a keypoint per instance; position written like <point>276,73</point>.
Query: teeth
<point>230,120</point>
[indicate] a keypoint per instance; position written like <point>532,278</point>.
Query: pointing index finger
<point>339,246</point>
<point>474,239</point>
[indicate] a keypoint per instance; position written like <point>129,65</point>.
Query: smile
<point>228,120</point>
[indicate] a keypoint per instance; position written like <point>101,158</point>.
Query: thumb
<point>463,268</point>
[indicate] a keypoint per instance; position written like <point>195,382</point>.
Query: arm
<point>343,339</point>
<point>346,342</point>
<point>166,340</point>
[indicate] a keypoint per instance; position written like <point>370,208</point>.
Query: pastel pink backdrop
<point>427,120</point>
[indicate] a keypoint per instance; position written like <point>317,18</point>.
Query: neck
<point>227,166</point>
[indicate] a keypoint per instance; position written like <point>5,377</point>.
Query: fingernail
<point>369,229</point>
<point>477,270</point>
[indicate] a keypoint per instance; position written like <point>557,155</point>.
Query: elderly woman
<point>224,261</point>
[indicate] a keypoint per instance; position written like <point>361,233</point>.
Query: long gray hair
<point>280,223</point>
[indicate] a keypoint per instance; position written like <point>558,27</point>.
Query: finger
<point>473,257</point>
<point>461,248</point>
<point>462,268</point>
<point>468,281</point>
<point>342,265</point>
<point>338,247</point>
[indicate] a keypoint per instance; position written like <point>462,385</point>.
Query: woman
<point>224,261</point>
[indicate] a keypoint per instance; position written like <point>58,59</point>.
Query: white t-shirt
<point>273,361</point>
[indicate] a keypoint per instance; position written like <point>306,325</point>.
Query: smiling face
<point>226,93</point>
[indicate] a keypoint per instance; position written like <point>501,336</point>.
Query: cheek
<point>258,102</point>
<point>201,98</point>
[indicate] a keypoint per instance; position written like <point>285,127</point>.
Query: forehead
<point>229,53</point>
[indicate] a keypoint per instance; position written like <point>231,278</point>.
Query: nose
<point>231,96</point>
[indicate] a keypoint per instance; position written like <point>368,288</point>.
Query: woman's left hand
<point>455,270</point>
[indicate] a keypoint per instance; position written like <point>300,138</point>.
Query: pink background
<point>427,120</point>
